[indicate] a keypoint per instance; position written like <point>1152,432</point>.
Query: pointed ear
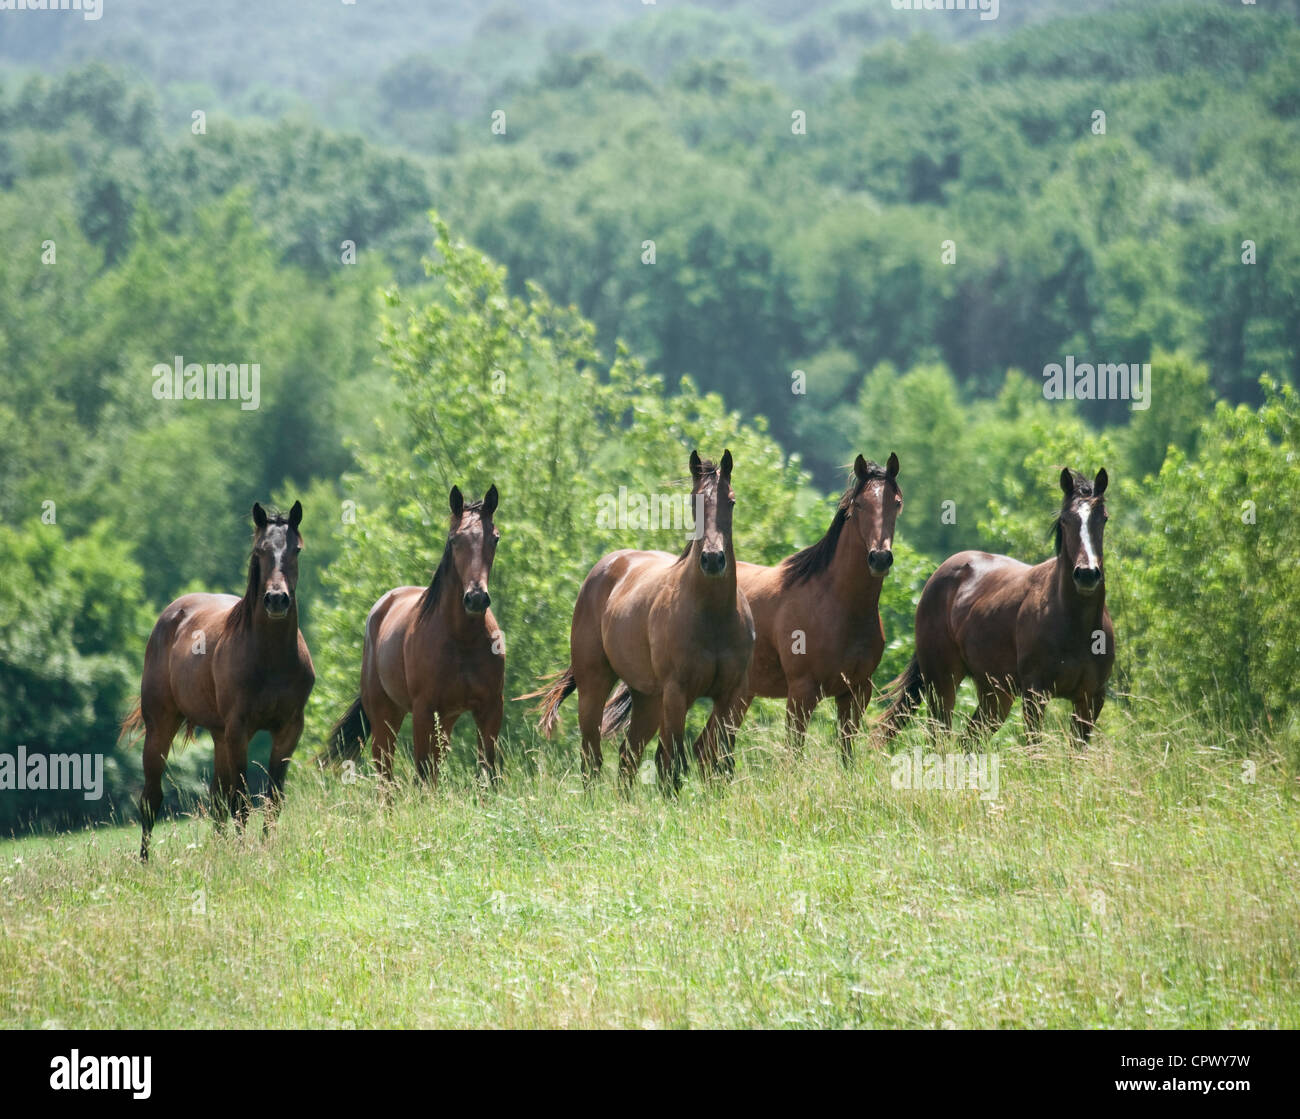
<point>891,467</point>
<point>295,516</point>
<point>695,464</point>
<point>259,516</point>
<point>1099,485</point>
<point>490,502</point>
<point>860,468</point>
<point>726,465</point>
<point>1067,482</point>
<point>457,501</point>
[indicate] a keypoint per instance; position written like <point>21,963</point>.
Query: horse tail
<point>346,737</point>
<point>903,694</point>
<point>618,712</point>
<point>132,726</point>
<point>561,686</point>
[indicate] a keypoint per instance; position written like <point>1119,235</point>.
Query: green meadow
<point>1151,882</point>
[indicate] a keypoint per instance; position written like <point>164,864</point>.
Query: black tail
<point>904,695</point>
<point>561,685</point>
<point>618,712</point>
<point>346,737</point>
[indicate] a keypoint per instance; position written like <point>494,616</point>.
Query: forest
<point>557,253</point>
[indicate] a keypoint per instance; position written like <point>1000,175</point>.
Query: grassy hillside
<point>1146,884</point>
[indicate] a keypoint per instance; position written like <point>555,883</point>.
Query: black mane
<point>817,557</point>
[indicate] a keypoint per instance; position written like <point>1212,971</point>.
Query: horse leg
<point>158,737</point>
<point>223,782</point>
<point>640,729</point>
<point>282,745</point>
<point>230,775</point>
<point>431,731</point>
<point>593,690</point>
<point>488,721</point>
<point>799,706</point>
<point>385,721</point>
<point>849,706</point>
<point>717,744</point>
<point>991,712</point>
<point>1031,709</point>
<point>672,739</point>
<point>941,698</point>
<point>1086,709</point>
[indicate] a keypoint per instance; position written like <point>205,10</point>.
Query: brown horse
<point>674,629</point>
<point>233,666</point>
<point>436,652</point>
<point>817,612</point>
<point>1041,632</point>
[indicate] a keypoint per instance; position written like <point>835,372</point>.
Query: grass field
<point>1148,883</point>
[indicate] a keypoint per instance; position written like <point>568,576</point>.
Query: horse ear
<point>695,464</point>
<point>490,501</point>
<point>457,501</point>
<point>259,515</point>
<point>726,465</point>
<point>295,515</point>
<point>891,467</point>
<point>1067,482</point>
<point>1099,486</point>
<point>860,468</point>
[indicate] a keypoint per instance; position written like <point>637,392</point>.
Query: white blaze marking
<point>1085,535</point>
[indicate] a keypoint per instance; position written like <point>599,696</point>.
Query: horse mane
<point>1082,488</point>
<point>429,599</point>
<point>707,466</point>
<point>815,558</point>
<point>242,613</point>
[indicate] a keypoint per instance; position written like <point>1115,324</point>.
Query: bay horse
<point>1042,632</point>
<point>234,666</point>
<point>435,652</point>
<point>817,613</point>
<point>674,629</point>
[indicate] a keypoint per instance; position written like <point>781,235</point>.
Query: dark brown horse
<point>1041,632</point>
<point>817,612</point>
<point>233,666</point>
<point>674,629</point>
<point>436,652</point>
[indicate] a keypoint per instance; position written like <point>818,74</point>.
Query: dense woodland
<point>132,236</point>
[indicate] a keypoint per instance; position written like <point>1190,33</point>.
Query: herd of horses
<point>652,633</point>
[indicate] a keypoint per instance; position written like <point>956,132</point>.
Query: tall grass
<point>1151,882</point>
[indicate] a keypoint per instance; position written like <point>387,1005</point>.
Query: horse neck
<point>1086,610</point>
<point>452,616</point>
<point>273,636</point>
<point>856,587</point>
<point>713,592</point>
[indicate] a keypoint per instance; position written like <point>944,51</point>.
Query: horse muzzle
<point>1087,579</point>
<point>476,600</point>
<point>880,561</point>
<point>277,603</point>
<point>713,563</point>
